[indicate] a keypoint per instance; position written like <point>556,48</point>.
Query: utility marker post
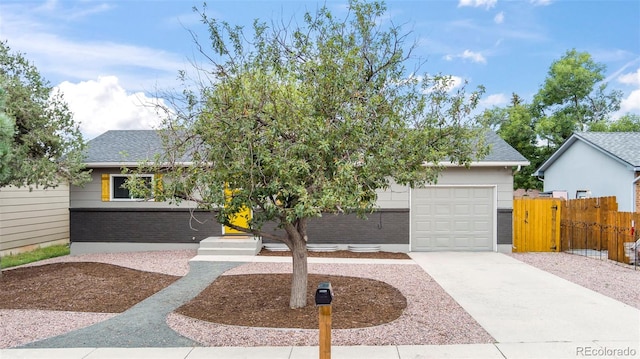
<point>324,296</point>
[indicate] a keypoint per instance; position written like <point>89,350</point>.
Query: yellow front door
<point>241,219</point>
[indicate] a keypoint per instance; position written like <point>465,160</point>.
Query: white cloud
<point>540,2</point>
<point>499,18</point>
<point>62,58</point>
<point>631,78</point>
<point>467,55</point>
<point>631,103</point>
<point>55,9</point>
<point>473,56</point>
<point>78,61</point>
<point>478,3</point>
<point>104,105</point>
<point>497,99</point>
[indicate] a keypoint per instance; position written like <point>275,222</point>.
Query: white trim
<point>482,164</point>
<point>127,164</point>
<point>130,199</point>
<point>495,217</point>
<point>426,164</point>
<point>410,215</point>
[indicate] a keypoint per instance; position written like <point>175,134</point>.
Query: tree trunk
<point>298,248</point>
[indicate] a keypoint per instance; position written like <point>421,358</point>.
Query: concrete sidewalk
<point>530,313</point>
<point>471,351</point>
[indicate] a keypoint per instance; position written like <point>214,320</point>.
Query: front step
<point>230,245</point>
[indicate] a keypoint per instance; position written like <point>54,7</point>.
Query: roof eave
<point>484,164</point>
<point>123,164</point>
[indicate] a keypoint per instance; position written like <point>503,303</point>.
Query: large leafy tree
<point>627,123</point>
<point>306,121</point>
<point>572,97</point>
<point>516,126</point>
<point>7,130</point>
<point>40,144</point>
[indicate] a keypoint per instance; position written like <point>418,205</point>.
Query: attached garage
<point>453,218</point>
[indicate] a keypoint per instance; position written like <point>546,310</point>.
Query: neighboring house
<point>596,164</point>
<point>32,219</point>
<point>469,208</point>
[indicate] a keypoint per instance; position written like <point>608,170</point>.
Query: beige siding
<point>90,195</point>
<point>396,196</point>
<point>29,219</point>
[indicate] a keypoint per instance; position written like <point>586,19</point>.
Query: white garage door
<point>452,219</point>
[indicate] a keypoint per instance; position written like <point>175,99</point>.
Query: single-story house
<point>596,164</point>
<point>469,209</point>
<point>35,218</point>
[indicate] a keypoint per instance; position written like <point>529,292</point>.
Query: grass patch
<point>13,260</point>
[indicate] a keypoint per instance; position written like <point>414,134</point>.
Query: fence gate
<point>536,224</point>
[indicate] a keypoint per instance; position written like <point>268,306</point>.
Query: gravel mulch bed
<point>22,326</point>
<point>166,262</point>
<point>19,327</point>
<point>431,316</point>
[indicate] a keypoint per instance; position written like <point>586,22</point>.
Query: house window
<point>118,190</point>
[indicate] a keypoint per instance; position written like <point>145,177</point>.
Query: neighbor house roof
<point>623,147</point>
<point>119,148</point>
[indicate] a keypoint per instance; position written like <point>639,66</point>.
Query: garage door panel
<point>461,193</point>
<point>442,226</point>
<point>463,226</point>
<point>481,226</point>
<point>452,218</point>
<point>462,209</point>
<point>442,195</point>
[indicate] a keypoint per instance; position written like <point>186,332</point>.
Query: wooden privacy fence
<point>591,224</point>
<point>583,221</point>
<point>536,224</point>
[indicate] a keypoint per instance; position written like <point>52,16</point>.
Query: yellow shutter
<point>105,188</point>
<point>158,187</point>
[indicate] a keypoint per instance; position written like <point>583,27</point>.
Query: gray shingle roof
<point>501,151</point>
<point>131,146</point>
<point>134,146</point>
<point>622,145</point>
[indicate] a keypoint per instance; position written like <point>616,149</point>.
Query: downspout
<point>518,169</point>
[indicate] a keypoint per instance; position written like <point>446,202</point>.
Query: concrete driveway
<point>527,309</point>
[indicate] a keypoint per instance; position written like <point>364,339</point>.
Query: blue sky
<point>108,57</point>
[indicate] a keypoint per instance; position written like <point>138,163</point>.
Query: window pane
<point>118,190</point>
